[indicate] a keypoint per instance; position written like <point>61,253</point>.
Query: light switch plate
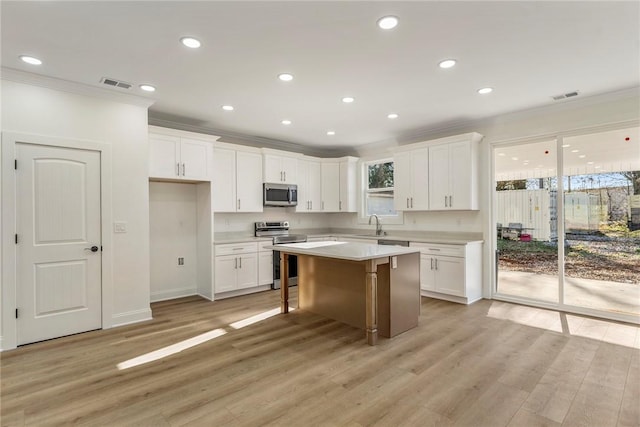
<point>119,227</point>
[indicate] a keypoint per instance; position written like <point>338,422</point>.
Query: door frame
<point>8,250</point>
<point>493,240</point>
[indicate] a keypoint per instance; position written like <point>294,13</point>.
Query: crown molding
<point>19,76</point>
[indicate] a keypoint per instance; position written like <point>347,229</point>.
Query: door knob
<point>92,249</point>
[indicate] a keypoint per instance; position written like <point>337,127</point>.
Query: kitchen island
<point>376,288</point>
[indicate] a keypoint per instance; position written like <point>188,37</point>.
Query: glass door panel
<point>526,221</point>
<point>601,179</point>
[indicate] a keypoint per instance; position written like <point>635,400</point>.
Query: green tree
<point>634,177</point>
<point>518,184</point>
<point>381,175</point>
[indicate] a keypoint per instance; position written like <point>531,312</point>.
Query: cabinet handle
<point>238,204</point>
<point>285,176</point>
<point>412,202</point>
<point>450,201</point>
<point>178,169</point>
<point>236,260</point>
<point>241,262</point>
<point>407,202</point>
<point>340,205</point>
<point>323,205</point>
<point>310,203</point>
<point>445,202</point>
<point>432,263</point>
<point>436,263</point>
<point>183,169</point>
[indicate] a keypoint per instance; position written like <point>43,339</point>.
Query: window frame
<point>363,190</point>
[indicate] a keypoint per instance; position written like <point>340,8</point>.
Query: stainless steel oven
<point>279,230</point>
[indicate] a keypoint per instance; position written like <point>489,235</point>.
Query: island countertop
<point>343,250</point>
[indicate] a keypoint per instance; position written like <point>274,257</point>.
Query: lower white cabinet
<point>451,272</point>
<point>236,266</point>
<point>265,264</point>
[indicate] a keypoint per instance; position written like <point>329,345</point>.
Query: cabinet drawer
<point>439,249</point>
<point>261,246</point>
<point>236,248</point>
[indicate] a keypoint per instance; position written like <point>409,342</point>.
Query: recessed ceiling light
<point>501,154</point>
<point>348,99</point>
<point>190,42</point>
<point>148,88</point>
<point>589,163</point>
<point>30,60</point>
<point>598,167</point>
<point>387,22</point>
<point>566,145</point>
<point>525,163</point>
<point>392,116</point>
<point>227,107</point>
<point>574,151</point>
<point>485,90</point>
<point>582,156</point>
<point>285,77</point>
<point>286,122</point>
<point>514,158</point>
<point>447,63</point>
<point>331,132</point>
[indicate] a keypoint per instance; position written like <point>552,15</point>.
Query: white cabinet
<point>348,185</point>
<point>236,181</point>
<point>309,185</point>
<point>236,266</point>
<point>330,186</point>
<point>179,158</point>
<point>453,170</point>
<point>411,180</point>
<point>265,264</point>
<point>280,169</point>
<point>451,272</point>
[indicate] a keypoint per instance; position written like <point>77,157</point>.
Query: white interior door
<point>58,222</point>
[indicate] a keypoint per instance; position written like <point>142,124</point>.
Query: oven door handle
<point>289,195</point>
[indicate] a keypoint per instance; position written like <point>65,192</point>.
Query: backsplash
<point>243,222</point>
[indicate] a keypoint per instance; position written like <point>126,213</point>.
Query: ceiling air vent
<point>565,95</point>
<point>115,83</point>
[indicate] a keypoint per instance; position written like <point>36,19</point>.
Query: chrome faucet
<point>378,225</point>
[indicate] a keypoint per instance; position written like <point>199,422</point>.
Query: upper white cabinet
<point>309,185</point>
<point>330,186</point>
<point>280,169</point>
<point>179,158</point>
<point>411,180</point>
<point>453,175</point>
<point>236,181</point>
<point>348,185</point>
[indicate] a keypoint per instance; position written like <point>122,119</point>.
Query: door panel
<point>194,156</point>
<point>164,155</point>
<point>460,175</point>
<point>439,177</point>
<point>58,221</point>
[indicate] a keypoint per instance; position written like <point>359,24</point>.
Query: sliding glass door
<point>567,217</point>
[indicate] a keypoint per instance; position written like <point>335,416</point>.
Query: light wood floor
<point>488,364</point>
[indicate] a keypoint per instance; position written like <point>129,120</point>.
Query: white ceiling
<point>526,51</point>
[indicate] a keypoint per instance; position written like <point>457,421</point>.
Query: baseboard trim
<point>452,298</point>
<point>239,292</point>
<point>129,317</point>
<point>172,294</point>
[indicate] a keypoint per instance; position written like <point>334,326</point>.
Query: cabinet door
<point>463,191</point>
<point>348,186</point>
<point>164,154</point>
<point>247,272</point>
<point>439,177</point>
<point>290,170</point>
<point>303,187</point>
<point>223,180</point>
<point>248,182</point>
<point>273,168</point>
<point>330,187</point>
<point>194,159</point>
<point>265,268</point>
<point>427,273</point>
<point>419,198</point>
<point>314,186</point>
<point>225,273</point>
<point>450,276</point>
<point>402,181</point>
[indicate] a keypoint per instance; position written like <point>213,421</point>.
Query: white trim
<point>182,134</point>
<point>173,293</point>
<point>8,225</point>
<point>18,76</point>
<point>129,317</point>
<point>245,291</point>
<point>452,298</point>
<point>362,168</point>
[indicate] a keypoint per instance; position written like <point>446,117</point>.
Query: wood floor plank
<point>463,365</point>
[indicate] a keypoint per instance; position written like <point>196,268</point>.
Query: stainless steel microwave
<point>280,194</point>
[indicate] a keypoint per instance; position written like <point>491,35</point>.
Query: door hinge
<point>16,313</point>
<point>16,238</point>
<point>15,164</point>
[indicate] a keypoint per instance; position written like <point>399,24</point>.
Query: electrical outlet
<point>180,261</point>
<point>119,227</point>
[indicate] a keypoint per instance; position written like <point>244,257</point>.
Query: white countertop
<point>344,250</point>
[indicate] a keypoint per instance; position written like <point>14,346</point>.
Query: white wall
<point>243,222</point>
<point>33,109</point>
<point>173,228</point>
